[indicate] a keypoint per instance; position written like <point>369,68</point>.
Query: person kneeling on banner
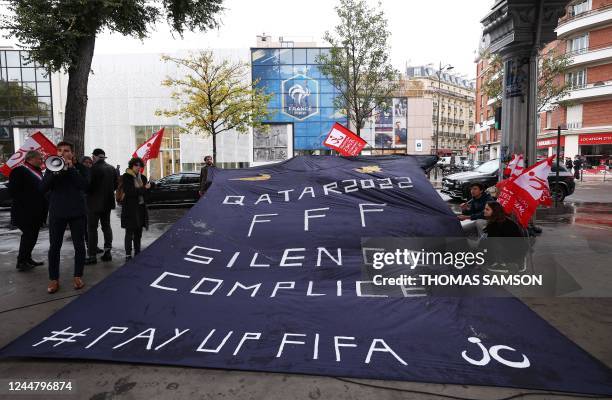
<point>472,212</point>
<point>29,206</point>
<point>134,215</point>
<point>66,190</point>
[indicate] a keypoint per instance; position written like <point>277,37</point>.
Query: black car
<point>458,185</point>
<point>175,189</point>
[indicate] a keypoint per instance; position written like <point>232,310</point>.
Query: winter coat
<point>28,206</point>
<point>102,185</point>
<point>134,215</point>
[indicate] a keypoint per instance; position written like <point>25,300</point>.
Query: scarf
<point>137,183</point>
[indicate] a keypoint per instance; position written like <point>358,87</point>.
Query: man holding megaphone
<point>66,183</point>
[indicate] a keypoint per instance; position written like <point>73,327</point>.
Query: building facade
<point>30,101</point>
<point>456,98</point>
<point>585,114</point>
<point>302,108</point>
<point>486,136</point>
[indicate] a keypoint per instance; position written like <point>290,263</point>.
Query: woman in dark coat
<point>500,226</point>
<point>134,214</point>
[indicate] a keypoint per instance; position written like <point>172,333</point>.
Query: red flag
<point>523,194</point>
<point>38,142</point>
<point>150,148</point>
<point>344,141</point>
<point>515,166</point>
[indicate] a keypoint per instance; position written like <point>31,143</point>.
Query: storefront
<point>596,148</point>
<point>547,147</point>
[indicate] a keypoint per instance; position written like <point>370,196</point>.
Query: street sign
<point>473,148</point>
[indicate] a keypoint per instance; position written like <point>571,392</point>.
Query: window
<point>548,119</point>
<point>25,91</point>
<point>580,8</point>
<point>577,79</point>
<point>271,145</point>
<point>190,179</point>
<point>169,158</point>
<point>579,44</point>
<point>171,180</point>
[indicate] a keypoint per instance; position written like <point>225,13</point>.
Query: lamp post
<point>447,67</point>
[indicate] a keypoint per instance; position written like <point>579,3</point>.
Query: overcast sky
<point>422,32</point>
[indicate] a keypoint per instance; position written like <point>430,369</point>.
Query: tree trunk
<point>214,140</point>
<point>76,96</point>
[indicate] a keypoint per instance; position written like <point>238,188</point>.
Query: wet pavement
<point>577,235</point>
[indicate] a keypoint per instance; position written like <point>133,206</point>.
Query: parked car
<point>175,189</point>
<point>458,185</point>
<point>5,196</point>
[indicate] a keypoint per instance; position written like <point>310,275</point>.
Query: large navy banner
<point>265,273</point>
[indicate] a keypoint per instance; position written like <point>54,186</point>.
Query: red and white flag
<point>344,141</point>
<point>150,148</point>
<point>516,166</point>
<point>38,142</point>
<point>522,195</point>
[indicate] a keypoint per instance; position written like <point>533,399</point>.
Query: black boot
<point>35,263</point>
<point>91,260</point>
<point>106,256</point>
<point>23,266</point>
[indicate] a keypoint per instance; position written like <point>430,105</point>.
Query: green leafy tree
<point>552,88</point>
<point>358,62</point>
<point>215,96</point>
<point>62,35</point>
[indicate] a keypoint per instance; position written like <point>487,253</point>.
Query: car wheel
<point>557,192</point>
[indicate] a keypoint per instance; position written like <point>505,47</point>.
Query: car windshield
<point>488,167</point>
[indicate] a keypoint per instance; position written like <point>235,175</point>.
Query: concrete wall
<point>125,91</point>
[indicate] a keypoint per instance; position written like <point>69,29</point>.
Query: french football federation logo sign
<point>300,98</point>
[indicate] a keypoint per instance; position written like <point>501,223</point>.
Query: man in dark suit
<point>204,184</point>
<point>28,207</point>
<point>66,190</point>
<point>100,202</point>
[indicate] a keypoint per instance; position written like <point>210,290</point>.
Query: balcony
<point>586,56</point>
<point>590,91</point>
<point>584,21</point>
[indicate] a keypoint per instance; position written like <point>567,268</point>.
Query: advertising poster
<point>383,128</point>
<point>400,130</point>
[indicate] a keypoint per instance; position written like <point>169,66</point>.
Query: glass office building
<point>25,97</point>
<point>302,104</point>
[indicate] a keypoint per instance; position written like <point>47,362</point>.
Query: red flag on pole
<point>515,166</point>
<point>523,194</point>
<point>344,141</point>
<point>150,148</point>
<point>38,142</point>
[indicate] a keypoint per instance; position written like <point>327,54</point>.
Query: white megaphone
<point>54,163</point>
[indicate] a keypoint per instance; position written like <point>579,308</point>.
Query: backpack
<point>119,193</point>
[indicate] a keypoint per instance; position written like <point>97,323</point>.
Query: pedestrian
<point>577,167</point>
<point>28,206</point>
<point>568,164</point>
<point>134,215</point>
<point>67,207</point>
<point>100,202</point>
<point>204,183</point>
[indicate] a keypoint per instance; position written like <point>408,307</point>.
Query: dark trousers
<point>29,236</point>
<point>92,231</point>
<point>132,235</point>
<point>57,227</point>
